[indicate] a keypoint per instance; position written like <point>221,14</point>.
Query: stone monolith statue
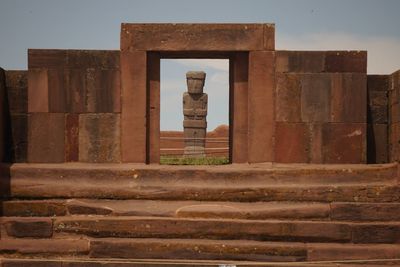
<point>195,113</point>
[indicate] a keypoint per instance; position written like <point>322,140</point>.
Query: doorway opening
<point>184,139</point>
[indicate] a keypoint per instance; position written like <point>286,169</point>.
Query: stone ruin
<point>195,113</point>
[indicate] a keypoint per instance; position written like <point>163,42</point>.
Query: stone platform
<point>78,214</point>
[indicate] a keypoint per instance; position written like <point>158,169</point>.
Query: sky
<point>372,25</point>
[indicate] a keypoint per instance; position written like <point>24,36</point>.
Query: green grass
<point>171,160</point>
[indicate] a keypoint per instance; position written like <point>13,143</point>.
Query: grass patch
<point>168,160</point>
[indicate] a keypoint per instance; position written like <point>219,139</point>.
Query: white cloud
<point>217,64</point>
<point>383,52</point>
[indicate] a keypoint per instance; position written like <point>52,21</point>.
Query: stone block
<point>191,37</point>
<point>378,82</point>
<point>365,211</point>
<point>16,78</point>
<point>103,91</point>
<point>288,98</point>
<point>46,58</point>
<point>17,99</point>
<point>19,133</point>
<point>261,99</point>
<point>394,144</point>
<point>38,90</point>
<point>97,59</point>
<point>57,90</point>
<point>300,61</point>
<point>349,97</point>
<point>376,233</point>
<point>76,90</point>
<point>133,106</point>
<point>378,114</point>
<point>315,97</point>
<point>30,208</point>
<point>3,118</point>
<point>346,61</point>
<point>32,227</point>
<point>344,142</point>
<point>292,142</point>
<point>315,130</point>
<point>28,246</point>
<point>46,133</point>
<point>72,137</point>
<point>377,143</point>
<point>99,137</point>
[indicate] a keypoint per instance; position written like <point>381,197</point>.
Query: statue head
<point>195,81</point>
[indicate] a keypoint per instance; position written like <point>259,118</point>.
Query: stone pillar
<point>195,113</point>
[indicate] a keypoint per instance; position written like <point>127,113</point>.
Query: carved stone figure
<point>195,113</point>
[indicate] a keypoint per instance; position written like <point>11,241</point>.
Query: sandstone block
<point>300,61</point>
<point>46,133</point>
<point>292,142</point>
<point>180,37</point>
<point>32,227</point>
<point>99,137</point>
<point>29,208</point>
<point>365,211</point>
<point>72,137</point>
<point>344,142</point>
<point>19,131</point>
<point>377,143</point>
<point>315,97</point>
<point>38,90</point>
<point>98,59</point>
<point>46,58</point>
<point>57,90</point>
<point>16,78</point>
<point>378,82</point>
<point>288,97</point>
<point>346,61</point>
<point>376,233</point>
<point>349,97</point>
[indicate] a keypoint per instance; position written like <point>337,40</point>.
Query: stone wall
<point>3,111</point>
<point>73,106</point>
<point>321,100</point>
<point>394,117</point>
<point>377,116</point>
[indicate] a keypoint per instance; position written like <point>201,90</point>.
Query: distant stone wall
<point>3,111</point>
<point>321,101</point>
<point>172,142</point>
<point>394,117</point>
<point>73,106</point>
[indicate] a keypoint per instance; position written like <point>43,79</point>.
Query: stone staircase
<point>243,215</point>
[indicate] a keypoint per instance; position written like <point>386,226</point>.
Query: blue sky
<point>371,25</point>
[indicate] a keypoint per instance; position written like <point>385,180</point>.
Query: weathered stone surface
<point>261,117</point>
<point>133,117</point>
<point>99,137</point>
<point>29,227</point>
<point>394,145</point>
<point>344,142</point>
<point>346,61</point>
<point>292,142</point>
<point>3,119</point>
<point>46,58</point>
<point>300,61</point>
<point>365,211</point>
<point>19,132</point>
<point>17,90</point>
<point>192,37</point>
<point>57,90</point>
<point>197,249</point>
<point>45,246</point>
<point>348,97</point>
<point>377,143</point>
<point>315,97</point>
<point>99,59</point>
<point>153,108</point>
<point>378,82</point>
<point>76,91</point>
<point>31,263</point>
<point>288,97</point>
<point>239,69</point>
<point>378,233</point>
<point>326,252</point>
<point>71,137</point>
<point>103,90</point>
<point>316,148</point>
<point>138,227</point>
<point>38,90</point>
<point>46,137</point>
<point>32,208</point>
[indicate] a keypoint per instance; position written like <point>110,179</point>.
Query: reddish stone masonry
<point>285,106</point>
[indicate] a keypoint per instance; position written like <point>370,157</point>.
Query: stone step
<point>347,211</point>
<point>163,227</point>
<point>110,251</point>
